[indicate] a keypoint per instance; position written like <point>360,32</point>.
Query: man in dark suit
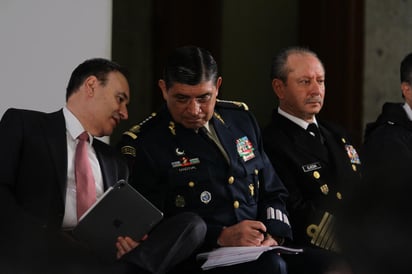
<point>385,191</point>
<point>38,179</point>
<point>314,159</point>
<point>203,155</point>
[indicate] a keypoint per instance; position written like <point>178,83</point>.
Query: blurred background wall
<point>42,41</point>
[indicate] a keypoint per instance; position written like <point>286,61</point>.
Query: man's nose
<point>316,87</point>
<point>194,106</point>
<point>124,115</point>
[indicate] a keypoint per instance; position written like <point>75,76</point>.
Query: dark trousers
<point>315,261</point>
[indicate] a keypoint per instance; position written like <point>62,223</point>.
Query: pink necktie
<point>85,186</point>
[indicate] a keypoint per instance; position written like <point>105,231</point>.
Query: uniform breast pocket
<point>186,186</point>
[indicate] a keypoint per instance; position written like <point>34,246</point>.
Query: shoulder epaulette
<point>134,130</point>
<point>232,104</point>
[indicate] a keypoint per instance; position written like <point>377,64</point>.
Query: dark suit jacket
<point>33,172</point>
<point>180,170</point>
<point>317,176</point>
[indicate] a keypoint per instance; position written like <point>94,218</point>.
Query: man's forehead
<point>192,90</point>
<point>306,70</point>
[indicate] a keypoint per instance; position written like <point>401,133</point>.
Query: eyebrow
<point>199,96</point>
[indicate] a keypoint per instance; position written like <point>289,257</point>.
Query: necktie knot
<point>314,131</point>
<point>84,136</point>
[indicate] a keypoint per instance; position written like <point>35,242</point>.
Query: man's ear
<point>218,84</point>
<point>162,86</point>
<point>90,84</point>
<point>406,89</point>
<point>277,86</point>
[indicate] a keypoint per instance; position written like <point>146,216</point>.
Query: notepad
<point>121,211</point>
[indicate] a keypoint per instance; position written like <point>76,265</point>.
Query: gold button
<point>191,184</point>
<point>231,180</point>
<point>256,171</point>
<point>339,195</point>
<point>343,140</point>
<point>354,167</point>
<point>316,175</point>
<point>236,204</point>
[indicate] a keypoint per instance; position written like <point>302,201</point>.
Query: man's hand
<point>245,233</point>
<point>269,240</point>
<point>125,245</point>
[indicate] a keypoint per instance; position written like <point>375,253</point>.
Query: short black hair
<point>189,65</point>
<point>279,70</point>
<point>406,69</point>
<point>98,67</point>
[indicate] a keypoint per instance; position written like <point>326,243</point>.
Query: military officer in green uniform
<point>204,155</point>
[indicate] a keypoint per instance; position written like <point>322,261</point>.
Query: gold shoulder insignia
<point>235,104</point>
<point>217,115</point>
<point>134,130</point>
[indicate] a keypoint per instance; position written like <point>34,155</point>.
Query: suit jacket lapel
<point>55,132</point>
<point>226,137</point>
<point>107,163</point>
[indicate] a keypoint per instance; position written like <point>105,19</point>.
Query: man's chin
<point>193,125</point>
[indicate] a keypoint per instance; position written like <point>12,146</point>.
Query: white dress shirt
<point>302,123</point>
<point>73,130</point>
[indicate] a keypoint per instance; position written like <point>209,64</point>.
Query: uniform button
<point>191,184</point>
<point>256,171</point>
<point>231,180</point>
<point>354,167</point>
<point>316,175</point>
<point>339,195</point>
<point>236,204</point>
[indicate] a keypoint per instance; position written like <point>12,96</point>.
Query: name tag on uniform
<point>311,167</point>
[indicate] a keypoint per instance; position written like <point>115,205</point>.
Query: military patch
<point>217,115</point>
<point>172,128</point>
<point>180,201</point>
<point>311,167</point>
<point>325,189</point>
<point>245,148</point>
<point>179,152</point>
<point>353,155</point>
<point>128,150</point>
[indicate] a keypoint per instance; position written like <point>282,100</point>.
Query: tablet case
<point>121,211</point>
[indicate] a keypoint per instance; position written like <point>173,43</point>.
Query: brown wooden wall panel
<point>185,22</point>
<point>334,30</point>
